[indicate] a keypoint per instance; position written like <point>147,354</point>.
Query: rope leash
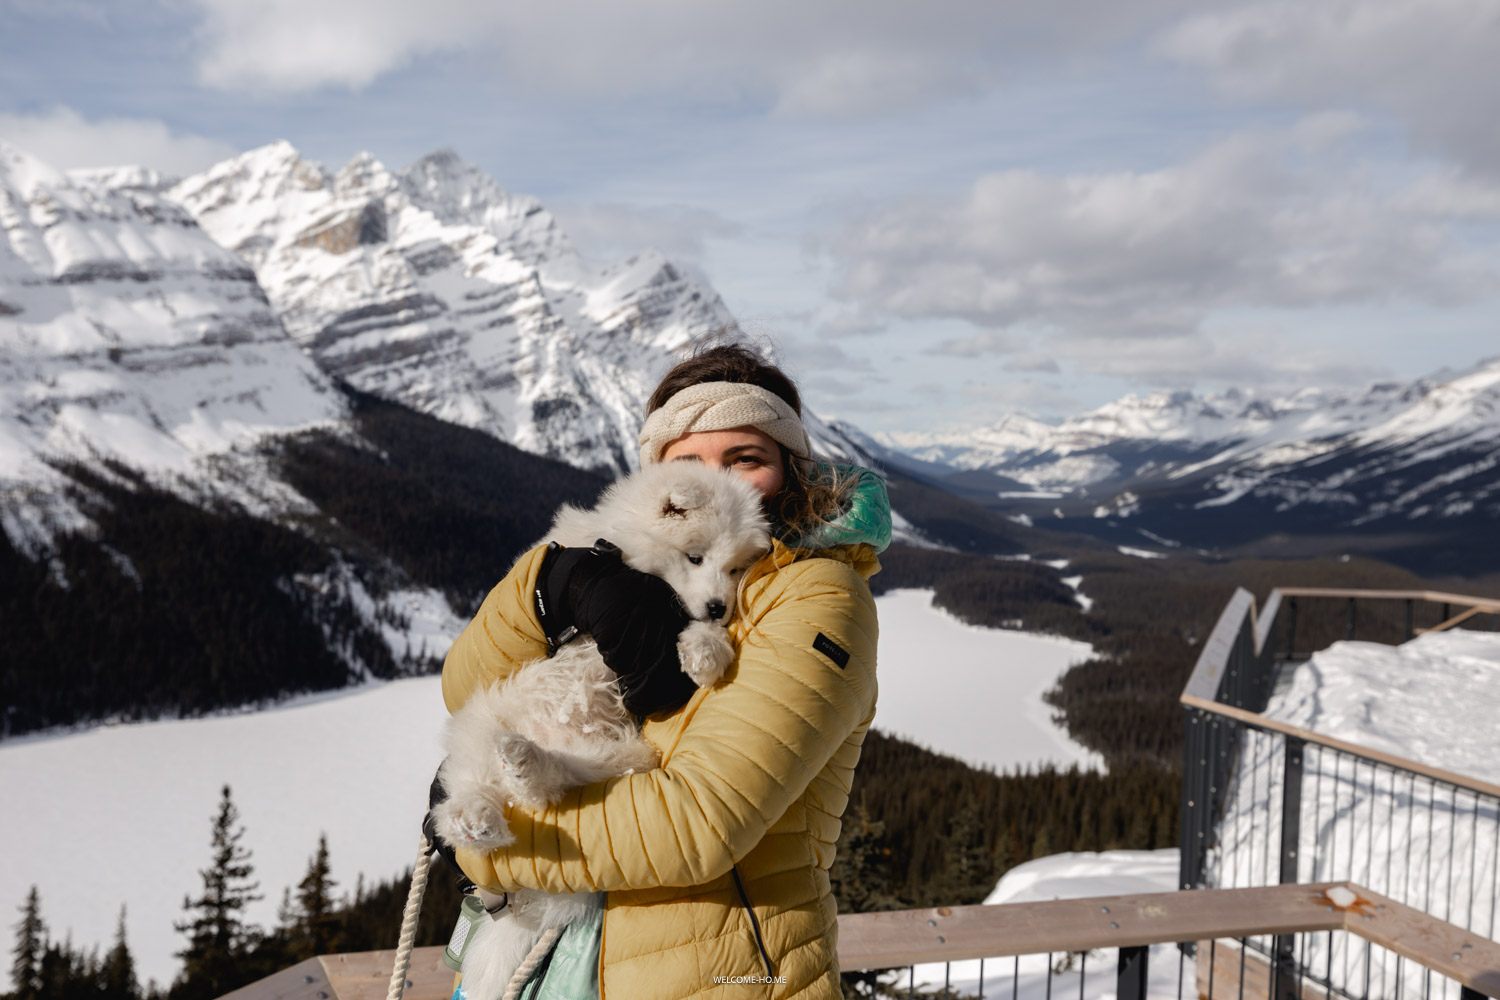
<point>413,911</point>
<point>409,921</point>
<point>533,958</point>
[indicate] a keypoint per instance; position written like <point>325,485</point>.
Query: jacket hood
<point>866,519</point>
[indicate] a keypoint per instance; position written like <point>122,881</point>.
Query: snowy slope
<point>127,333</point>
<point>356,765</point>
<point>135,345</point>
<point>437,288</point>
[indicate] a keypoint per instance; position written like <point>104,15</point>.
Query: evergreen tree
<point>117,975</point>
<point>31,944</point>
<point>67,974</point>
<point>860,875</point>
<point>218,937</point>
<point>286,913</point>
<point>968,872</point>
<point>316,930</point>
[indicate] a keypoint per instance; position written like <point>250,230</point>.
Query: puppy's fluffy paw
<point>705,652</point>
<point>517,754</point>
<point>526,769</point>
<point>473,824</point>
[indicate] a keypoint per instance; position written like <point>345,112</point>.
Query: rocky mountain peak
<point>438,288</point>
<point>457,193</point>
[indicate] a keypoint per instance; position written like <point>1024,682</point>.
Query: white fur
<point>559,723</point>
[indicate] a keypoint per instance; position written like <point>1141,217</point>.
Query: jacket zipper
<point>754,924</point>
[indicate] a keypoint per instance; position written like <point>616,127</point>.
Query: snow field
<point>121,814</point>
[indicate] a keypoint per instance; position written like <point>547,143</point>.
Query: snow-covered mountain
<point>128,335</point>
<point>173,392</point>
<point>436,288</point>
<point>1451,406</point>
<point>249,361</point>
<point>1391,458</point>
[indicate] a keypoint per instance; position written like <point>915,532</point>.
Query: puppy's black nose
<point>716,610</point>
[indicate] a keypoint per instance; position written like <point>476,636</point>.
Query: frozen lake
<point>974,693</point>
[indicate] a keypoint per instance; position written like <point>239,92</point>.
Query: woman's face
<point>752,455</point>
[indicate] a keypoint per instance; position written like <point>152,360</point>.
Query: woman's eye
<point>695,560</point>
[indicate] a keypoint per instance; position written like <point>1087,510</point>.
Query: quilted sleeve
<point>501,637</point>
<point>802,684</point>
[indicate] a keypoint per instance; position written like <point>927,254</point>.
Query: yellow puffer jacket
<point>754,778</point>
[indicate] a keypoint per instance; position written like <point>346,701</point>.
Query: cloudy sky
<point>940,212</point>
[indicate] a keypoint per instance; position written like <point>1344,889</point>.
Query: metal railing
<point>1268,803</point>
<point>1120,947</point>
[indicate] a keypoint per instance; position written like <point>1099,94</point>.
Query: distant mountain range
<point>1407,470</point>
<point>375,386</point>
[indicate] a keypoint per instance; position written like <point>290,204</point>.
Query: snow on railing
<point>1266,802</point>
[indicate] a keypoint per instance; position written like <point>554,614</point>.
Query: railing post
<point>1132,974</point>
<point>1410,619</point>
<point>1351,619</point>
<point>1194,785</point>
<point>1291,627</point>
<point>1291,808</point>
<point>1285,974</point>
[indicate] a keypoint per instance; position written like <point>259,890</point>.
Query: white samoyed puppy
<point>560,722</point>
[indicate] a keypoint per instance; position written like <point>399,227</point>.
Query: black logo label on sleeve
<point>832,650</point>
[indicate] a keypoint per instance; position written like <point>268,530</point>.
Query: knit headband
<point>721,406</point>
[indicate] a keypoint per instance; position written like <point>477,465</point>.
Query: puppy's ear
<point>683,498</point>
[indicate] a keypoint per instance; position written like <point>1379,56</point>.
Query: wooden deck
<point>955,933</point>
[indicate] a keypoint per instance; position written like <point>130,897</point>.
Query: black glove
<point>634,618</point>
<point>437,793</point>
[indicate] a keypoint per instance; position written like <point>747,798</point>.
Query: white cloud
<point>981,343</point>
<point>1093,268</point>
<point>1431,63</point>
<point>65,139</point>
<point>1038,363</point>
<point>850,323</point>
<point>831,58</point>
<point>1030,396</point>
<point>90,11</point>
<point>607,230</point>
<point>1231,354</point>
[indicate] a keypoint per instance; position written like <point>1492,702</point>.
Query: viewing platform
<point>1264,935</point>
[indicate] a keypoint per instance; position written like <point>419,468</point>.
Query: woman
<point>716,864</point>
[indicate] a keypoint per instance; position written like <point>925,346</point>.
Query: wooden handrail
<point>956,933</point>
<point>1488,604</point>
<point>1457,619</point>
<point>1334,743</point>
<point>1208,672</point>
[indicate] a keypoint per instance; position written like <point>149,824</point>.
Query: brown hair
<point>813,495</point>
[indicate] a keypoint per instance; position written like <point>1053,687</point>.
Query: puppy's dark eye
<point>735,572</point>
<point>695,560</point>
